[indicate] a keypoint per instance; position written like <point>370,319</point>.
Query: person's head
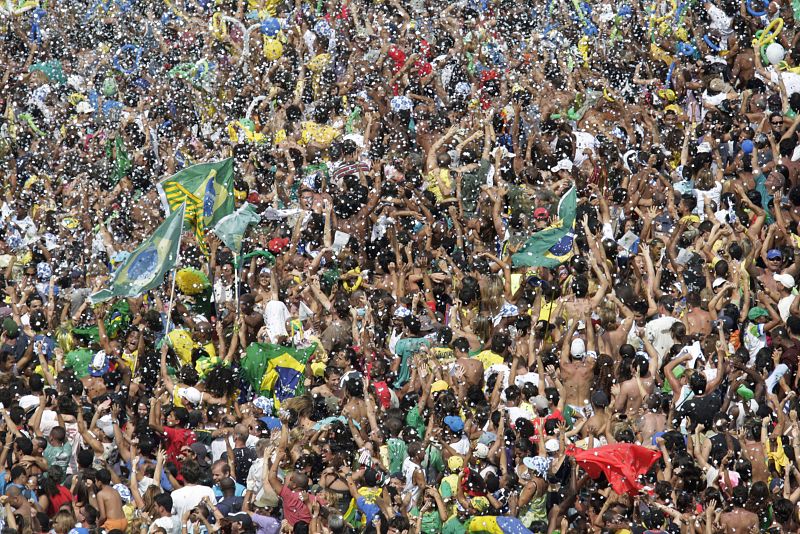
<point>103,477</point>
<point>57,436</point>
<point>62,522</point>
<point>163,504</point>
<point>298,481</point>
<point>220,470</point>
<point>191,472</point>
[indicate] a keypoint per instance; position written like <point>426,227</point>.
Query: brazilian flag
<point>146,266</point>
<point>207,191</point>
<point>276,371</point>
<point>551,246</point>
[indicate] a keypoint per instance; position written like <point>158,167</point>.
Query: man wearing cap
<point>773,259</point>
<point>785,296</point>
<point>577,368</point>
<point>762,319</point>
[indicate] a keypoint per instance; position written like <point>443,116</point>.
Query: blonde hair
<point>492,295</point>
<point>482,327</point>
<point>63,522</point>
<point>301,405</point>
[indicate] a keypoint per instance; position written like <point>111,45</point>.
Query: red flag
<point>622,464</point>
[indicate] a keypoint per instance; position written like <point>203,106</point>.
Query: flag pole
<point>236,282</point>
<point>174,273</point>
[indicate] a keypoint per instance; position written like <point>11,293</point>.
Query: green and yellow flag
<point>276,371</point>
<point>146,266</point>
<point>207,190</point>
<point>551,246</point>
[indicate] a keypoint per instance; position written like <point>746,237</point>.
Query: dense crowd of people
<point>518,267</point>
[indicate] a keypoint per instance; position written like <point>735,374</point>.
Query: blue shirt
<point>239,490</point>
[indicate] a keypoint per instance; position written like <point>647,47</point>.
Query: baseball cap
<point>454,423</point>
<point>786,280</point>
<point>201,453</point>
<point>541,213</point>
<point>719,281</point>
<point>481,450</point>
<point>540,402</point>
<point>562,165</point>
<point>551,445</point>
<point>439,385</point>
<point>578,348</point>
<point>774,253</point>
<point>190,394</point>
<point>241,517</point>
<point>455,462</point>
<point>10,327</point>
<point>757,312</point>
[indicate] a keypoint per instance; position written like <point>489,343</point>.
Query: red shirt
<point>55,502</point>
<point>176,440</point>
<point>294,509</point>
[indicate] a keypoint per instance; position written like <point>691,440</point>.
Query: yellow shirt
<point>488,358</point>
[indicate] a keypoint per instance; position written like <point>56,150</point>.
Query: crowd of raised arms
<point>399,267</point>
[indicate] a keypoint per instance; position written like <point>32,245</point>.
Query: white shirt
<point>409,468</point>
<point>657,331</point>
<point>171,524</point>
<point>783,306</point>
<point>188,497</point>
<point>275,316</point>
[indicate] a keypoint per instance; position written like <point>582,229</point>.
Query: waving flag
<point>551,246</point>
<point>276,371</point>
<point>622,463</point>
<point>207,191</point>
<point>146,266</point>
<point>231,228</point>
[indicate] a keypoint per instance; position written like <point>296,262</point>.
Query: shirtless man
<point>109,503</point>
<point>473,369</point>
<point>654,419</point>
<point>753,450</point>
<point>739,520</point>
<point>577,366</point>
<point>630,394</point>
<point>354,405</point>
<point>696,319</point>
<point>331,387</point>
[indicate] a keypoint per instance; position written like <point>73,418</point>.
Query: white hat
<point>106,424</point>
<point>786,280</point>
<point>481,451</point>
<point>718,282</point>
<point>551,445</point>
<point>578,348</point>
<point>190,394</point>
<point>563,165</point>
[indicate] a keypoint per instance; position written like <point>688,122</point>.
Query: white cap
<point>481,451</point>
<point>786,280</point>
<point>563,165</point>
<point>84,107</point>
<point>551,445</point>
<point>191,395</point>
<point>578,348</point>
<point>718,282</point>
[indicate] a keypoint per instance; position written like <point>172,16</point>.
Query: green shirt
<point>58,455</point>
<point>398,451</point>
<point>453,526</point>
<point>78,360</point>
<point>405,348</point>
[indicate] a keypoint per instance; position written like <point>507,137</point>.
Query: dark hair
<point>103,476</point>
<point>191,472</point>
